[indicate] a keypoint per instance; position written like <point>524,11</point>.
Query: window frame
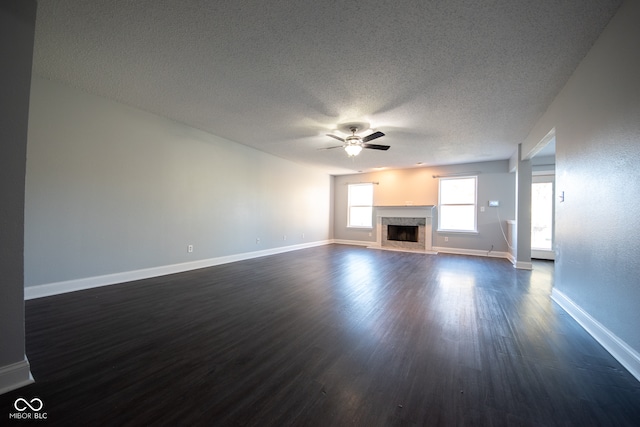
<point>474,204</point>
<point>349,205</point>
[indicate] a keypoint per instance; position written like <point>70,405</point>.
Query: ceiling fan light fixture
<point>353,144</point>
<point>353,150</point>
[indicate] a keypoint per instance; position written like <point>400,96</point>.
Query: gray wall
<point>597,121</point>
<point>17,27</point>
<point>396,187</point>
<point>113,189</point>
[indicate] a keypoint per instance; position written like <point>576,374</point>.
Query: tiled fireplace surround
<point>405,215</point>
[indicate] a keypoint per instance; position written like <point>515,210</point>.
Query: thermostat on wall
<point>494,203</point>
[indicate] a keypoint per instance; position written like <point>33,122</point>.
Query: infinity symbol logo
<point>21,404</point>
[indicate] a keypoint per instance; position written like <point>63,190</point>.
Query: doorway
<point>542,216</point>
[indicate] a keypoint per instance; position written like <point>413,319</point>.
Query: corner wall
<point>17,28</point>
<point>112,190</point>
<point>597,121</point>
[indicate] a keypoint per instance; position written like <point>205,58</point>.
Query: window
<point>457,204</point>
<point>360,205</point>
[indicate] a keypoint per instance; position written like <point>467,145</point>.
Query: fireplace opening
<point>402,233</point>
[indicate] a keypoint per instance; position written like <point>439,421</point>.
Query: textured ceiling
<point>447,81</point>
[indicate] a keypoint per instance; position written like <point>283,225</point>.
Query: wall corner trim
<point>15,376</point>
<point>523,265</point>
<point>620,350</point>
<point>49,289</point>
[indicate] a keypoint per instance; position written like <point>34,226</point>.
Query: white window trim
<point>349,206</point>
<point>475,207</point>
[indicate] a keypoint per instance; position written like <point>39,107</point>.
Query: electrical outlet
<point>481,208</point>
<point>446,239</point>
<point>190,248</point>
<point>257,240</point>
<point>284,237</point>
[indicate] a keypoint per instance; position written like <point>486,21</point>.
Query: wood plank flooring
<point>328,336</point>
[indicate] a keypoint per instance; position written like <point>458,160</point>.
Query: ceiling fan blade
<point>329,148</point>
<point>376,146</point>
<point>336,137</point>
<point>372,136</point>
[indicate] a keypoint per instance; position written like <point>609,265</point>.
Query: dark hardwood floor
<point>328,336</point>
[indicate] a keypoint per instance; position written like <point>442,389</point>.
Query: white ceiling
<point>447,81</point>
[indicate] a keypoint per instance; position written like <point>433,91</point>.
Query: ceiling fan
<point>353,143</point>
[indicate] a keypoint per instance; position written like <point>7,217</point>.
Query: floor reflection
<point>454,303</point>
<point>358,283</point>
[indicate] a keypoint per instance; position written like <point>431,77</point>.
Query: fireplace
<point>402,233</point>
<point>404,228</point>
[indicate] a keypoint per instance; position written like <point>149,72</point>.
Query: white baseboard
<point>522,265</point>
<point>621,351</point>
<point>472,252</point>
<point>49,289</point>
<point>352,242</point>
<point>434,250</point>
<point>15,376</point>
<point>395,249</point>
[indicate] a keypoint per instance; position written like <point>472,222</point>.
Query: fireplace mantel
<point>404,211</point>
